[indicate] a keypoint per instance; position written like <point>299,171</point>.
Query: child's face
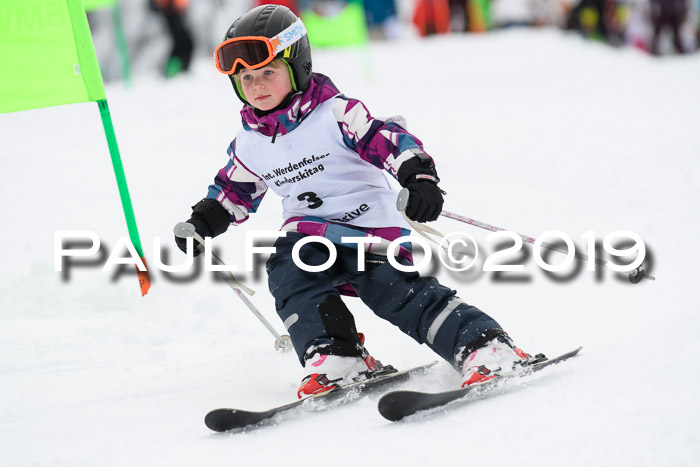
<point>266,87</point>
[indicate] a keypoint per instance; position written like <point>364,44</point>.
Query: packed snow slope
<point>531,131</point>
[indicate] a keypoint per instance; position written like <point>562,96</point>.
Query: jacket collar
<point>282,121</point>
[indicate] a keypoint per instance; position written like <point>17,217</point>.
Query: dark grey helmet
<point>268,21</point>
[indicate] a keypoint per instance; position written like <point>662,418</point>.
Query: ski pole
<point>185,230</point>
<point>635,275</point>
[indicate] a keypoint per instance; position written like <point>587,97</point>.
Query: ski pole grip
<point>402,200</point>
<point>185,230</point>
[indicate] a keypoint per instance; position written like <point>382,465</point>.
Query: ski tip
<point>388,404</point>
<point>217,420</point>
<point>397,405</point>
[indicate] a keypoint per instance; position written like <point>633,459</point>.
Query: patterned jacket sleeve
<point>238,189</point>
<point>385,145</point>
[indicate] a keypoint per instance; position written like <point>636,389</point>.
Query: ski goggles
<point>255,52</point>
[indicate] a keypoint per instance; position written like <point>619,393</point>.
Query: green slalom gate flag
<point>46,59</point>
<point>46,55</point>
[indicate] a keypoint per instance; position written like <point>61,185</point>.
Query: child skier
<point>323,154</point>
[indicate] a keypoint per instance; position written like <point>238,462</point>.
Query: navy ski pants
<point>421,307</point>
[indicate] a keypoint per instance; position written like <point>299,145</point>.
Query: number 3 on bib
<point>313,200</point>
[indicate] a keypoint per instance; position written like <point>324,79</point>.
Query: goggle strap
<point>239,88</point>
<point>291,74</point>
<point>288,36</point>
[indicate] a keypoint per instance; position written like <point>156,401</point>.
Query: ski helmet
<point>269,21</point>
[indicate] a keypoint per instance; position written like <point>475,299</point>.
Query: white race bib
<point>318,175</point>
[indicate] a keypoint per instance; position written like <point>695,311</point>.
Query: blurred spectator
<point>587,18</point>
<point>507,13</point>
<point>671,14</point>
<point>598,19</point>
<point>459,21</point>
<point>382,22</point>
<point>696,25</point>
<point>638,29</point>
<point>470,15</point>
<point>181,53</point>
<point>432,17</point>
<point>479,15</point>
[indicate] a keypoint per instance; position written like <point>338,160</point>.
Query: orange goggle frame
<point>255,52</point>
<point>250,52</point>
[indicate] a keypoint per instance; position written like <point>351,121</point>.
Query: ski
<point>231,419</point>
<point>399,404</point>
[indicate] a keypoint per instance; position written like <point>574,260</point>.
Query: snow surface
<point>532,130</point>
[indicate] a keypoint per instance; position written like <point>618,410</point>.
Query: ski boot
<point>345,360</point>
<point>327,372</point>
<point>498,356</point>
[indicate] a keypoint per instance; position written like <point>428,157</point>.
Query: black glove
<point>209,219</point>
<point>419,176</point>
